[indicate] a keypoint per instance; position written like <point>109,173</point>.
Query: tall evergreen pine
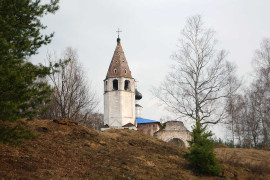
<point>20,38</point>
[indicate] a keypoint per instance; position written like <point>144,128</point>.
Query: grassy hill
<point>70,151</point>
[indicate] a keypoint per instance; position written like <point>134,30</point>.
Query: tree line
<point>203,87</point>
<point>248,108</point>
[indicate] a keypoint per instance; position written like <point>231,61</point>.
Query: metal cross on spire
<point>118,31</point>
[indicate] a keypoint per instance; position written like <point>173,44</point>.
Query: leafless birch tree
<point>195,86</point>
<point>234,100</point>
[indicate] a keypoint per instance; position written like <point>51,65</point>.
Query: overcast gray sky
<point>150,30</point>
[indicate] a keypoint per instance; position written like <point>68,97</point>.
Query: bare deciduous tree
<point>240,115</point>
<point>94,121</point>
<point>261,87</point>
<point>262,55</point>
<point>195,86</point>
<point>73,98</point>
<point>234,100</point>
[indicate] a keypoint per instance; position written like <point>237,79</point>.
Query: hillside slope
<point>74,151</point>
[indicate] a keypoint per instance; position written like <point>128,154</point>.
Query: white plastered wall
<point>119,105</point>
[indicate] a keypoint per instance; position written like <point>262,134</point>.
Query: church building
<point>121,108</point>
<point>121,103</point>
<point>119,92</point>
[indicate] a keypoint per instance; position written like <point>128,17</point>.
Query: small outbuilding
<point>147,126</point>
<point>174,132</point>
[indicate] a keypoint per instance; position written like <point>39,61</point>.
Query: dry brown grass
<point>77,152</point>
<point>254,161</point>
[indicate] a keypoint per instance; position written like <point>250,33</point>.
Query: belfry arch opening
<point>177,141</point>
<point>115,84</point>
<point>127,85</point>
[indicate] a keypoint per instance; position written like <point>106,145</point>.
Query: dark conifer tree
<point>201,155</point>
<point>20,38</point>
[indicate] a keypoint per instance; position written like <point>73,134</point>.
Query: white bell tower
<point>119,92</point>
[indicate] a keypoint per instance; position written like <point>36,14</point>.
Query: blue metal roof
<point>144,121</point>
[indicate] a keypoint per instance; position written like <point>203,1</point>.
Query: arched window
<point>125,71</point>
<point>127,85</point>
<point>106,85</point>
<point>115,70</point>
<point>115,84</point>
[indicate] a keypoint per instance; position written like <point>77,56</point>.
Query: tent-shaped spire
<point>119,66</point>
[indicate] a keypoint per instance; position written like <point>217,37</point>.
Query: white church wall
<point>119,105</point>
<point>128,107</point>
